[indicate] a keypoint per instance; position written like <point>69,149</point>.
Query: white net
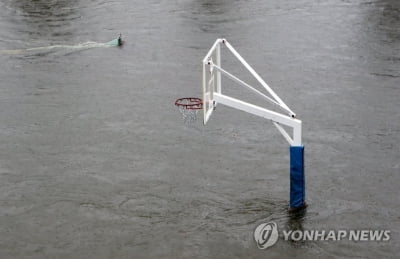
<point>189,107</point>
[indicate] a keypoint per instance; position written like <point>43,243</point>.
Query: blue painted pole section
<point>297,179</point>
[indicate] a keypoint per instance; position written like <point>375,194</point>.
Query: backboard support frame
<point>212,95</point>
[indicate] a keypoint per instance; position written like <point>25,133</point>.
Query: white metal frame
<point>212,94</point>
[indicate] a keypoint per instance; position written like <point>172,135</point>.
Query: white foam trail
<point>85,45</point>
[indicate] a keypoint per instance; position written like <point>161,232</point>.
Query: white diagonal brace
<point>284,133</point>
<point>254,73</point>
<point>234,78</point>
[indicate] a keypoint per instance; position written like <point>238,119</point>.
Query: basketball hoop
<point>189,107</point>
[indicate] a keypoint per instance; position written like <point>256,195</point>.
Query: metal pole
<point>211,98</point>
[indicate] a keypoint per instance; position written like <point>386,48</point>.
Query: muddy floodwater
<point>96,162</point>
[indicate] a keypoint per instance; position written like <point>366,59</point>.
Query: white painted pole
<point>204,94</point>
<point>218,61</point>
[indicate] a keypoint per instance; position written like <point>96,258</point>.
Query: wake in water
<point>80,46</point>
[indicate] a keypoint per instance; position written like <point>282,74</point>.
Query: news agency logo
<point>266,235</point>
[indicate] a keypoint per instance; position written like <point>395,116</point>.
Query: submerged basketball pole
<point>212,95</point>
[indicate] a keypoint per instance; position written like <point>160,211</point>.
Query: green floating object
<point>113,43</point>
<point>116,42</point>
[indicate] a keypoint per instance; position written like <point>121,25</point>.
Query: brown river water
<point>95,161</point>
